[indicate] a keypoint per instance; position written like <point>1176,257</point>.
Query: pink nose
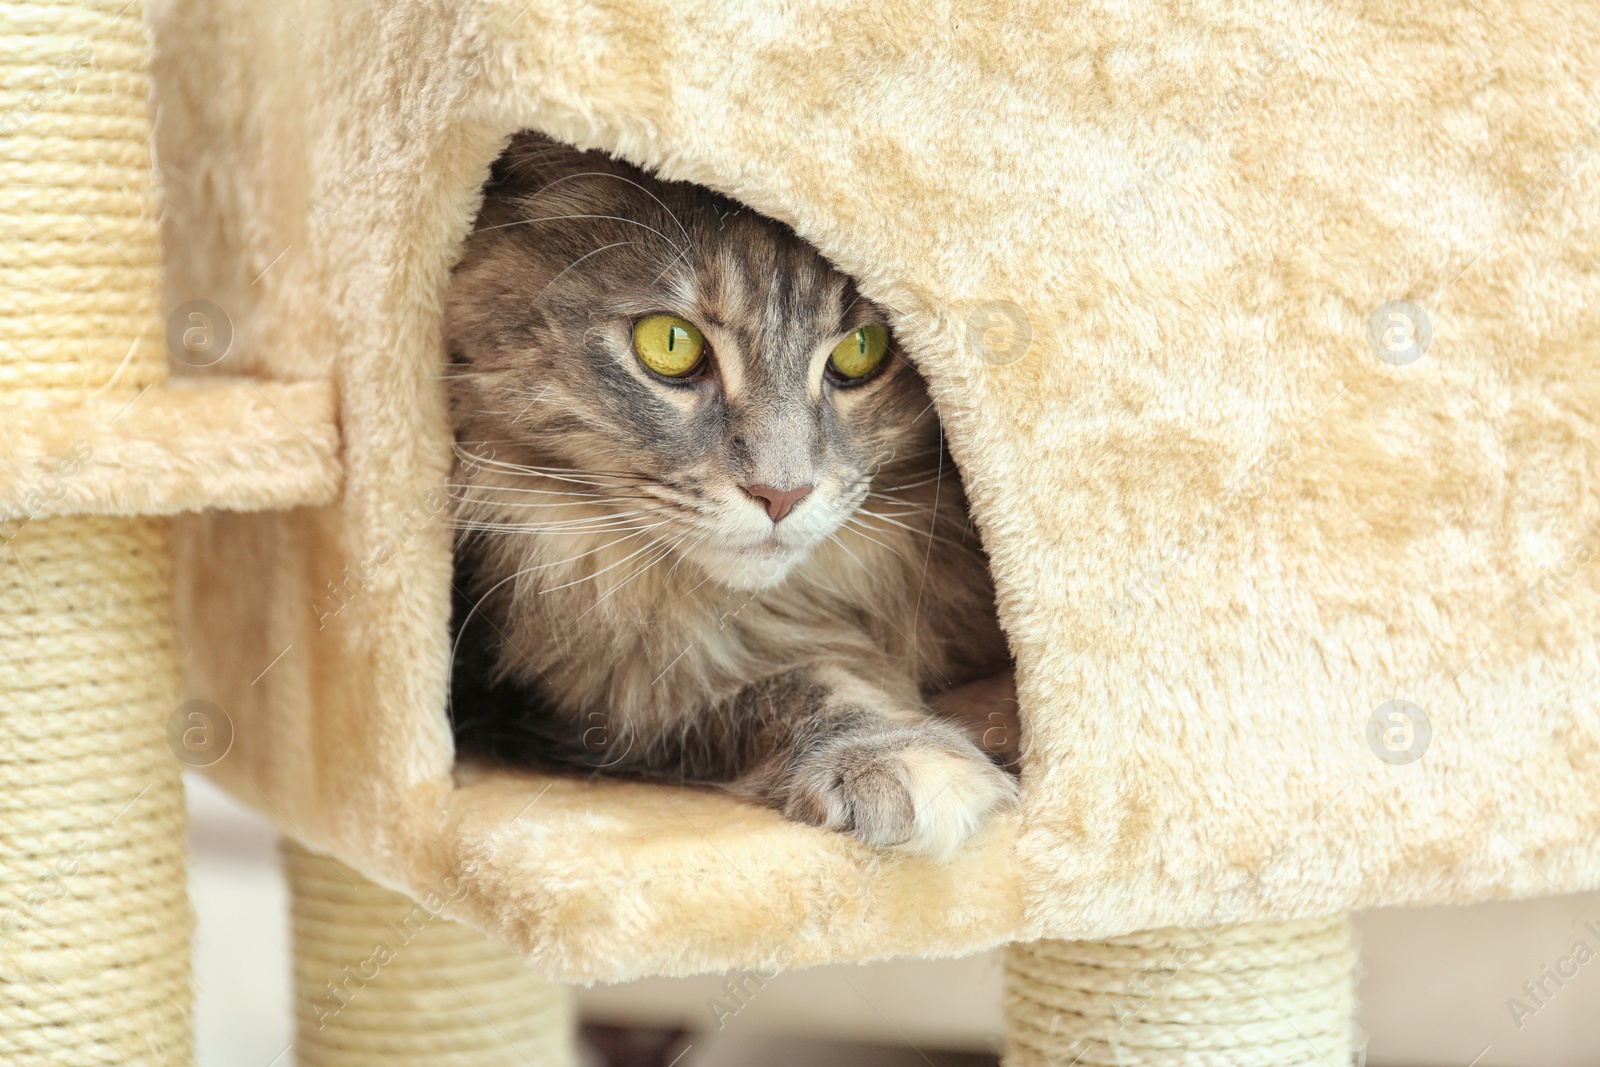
<point>779,502</point>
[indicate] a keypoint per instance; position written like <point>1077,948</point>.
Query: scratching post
<point>94,913</point>
<point>94,916</point>
<point>383,981</point>
<point>1279,994</point>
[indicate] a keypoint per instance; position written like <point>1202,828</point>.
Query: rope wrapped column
<point>382,980</point>
<point>1278,994</point>
<point>94,915</point>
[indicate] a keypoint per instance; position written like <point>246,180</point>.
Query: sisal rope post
<point>94,910</point>
<point>94,913</point>
<point>1278,994</point>
<point>384,981</point>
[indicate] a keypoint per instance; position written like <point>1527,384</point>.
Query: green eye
<point>668,345</point>
<point>861,353</point>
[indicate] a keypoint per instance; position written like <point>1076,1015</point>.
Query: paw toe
<point>952,794</point>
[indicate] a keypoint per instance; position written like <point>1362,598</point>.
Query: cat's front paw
<point>909,790</point>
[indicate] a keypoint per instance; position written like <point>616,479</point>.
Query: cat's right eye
<point>668,345</point>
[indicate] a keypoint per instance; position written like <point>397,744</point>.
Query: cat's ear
<point>531,160</point>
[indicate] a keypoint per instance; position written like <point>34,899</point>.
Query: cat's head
<point>678,359</point>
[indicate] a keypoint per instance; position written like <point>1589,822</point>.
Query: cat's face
<point>696,372</point>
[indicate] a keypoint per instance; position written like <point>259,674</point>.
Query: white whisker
<point>666,550</point>
<point>860,531</point>
<point>561,218</point>
<point>909,529</point>
<point>488,526</point>
<point>922,583</point>
<point>562,272</point>
<point>867,602</point>
<point>595,574</point>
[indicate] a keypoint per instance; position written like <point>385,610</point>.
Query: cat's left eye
<point>859,354</point>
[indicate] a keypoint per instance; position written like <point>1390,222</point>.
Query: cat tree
<point>1264,338</point>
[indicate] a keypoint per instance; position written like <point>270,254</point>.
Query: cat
<point>708,528</point>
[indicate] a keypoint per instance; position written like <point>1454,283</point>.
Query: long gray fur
<point>648,614</point>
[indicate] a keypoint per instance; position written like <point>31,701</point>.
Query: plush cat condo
<point>1265,338</point>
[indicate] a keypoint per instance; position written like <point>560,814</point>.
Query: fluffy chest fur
<point>601,616</point>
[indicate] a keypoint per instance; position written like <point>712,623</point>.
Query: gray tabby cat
<point>709,527</point>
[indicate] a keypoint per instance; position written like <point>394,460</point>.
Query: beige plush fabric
<point>164,449</point>
<point>1225,530</point>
